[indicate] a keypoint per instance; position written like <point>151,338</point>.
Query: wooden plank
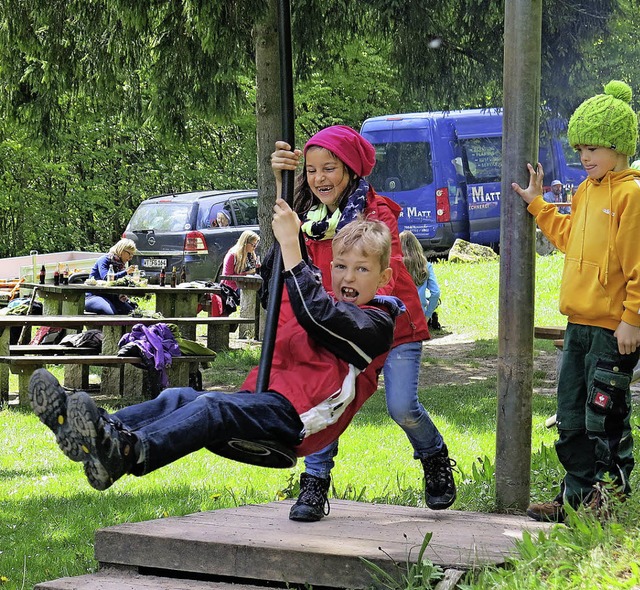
<point>93,359</point>
<point>112,320</point>
<point>261,543</point>
<point>116,579</point>
<point>549,332</point>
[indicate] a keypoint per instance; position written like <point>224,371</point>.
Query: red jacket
<point>410,326</point>
<point>327,355</point>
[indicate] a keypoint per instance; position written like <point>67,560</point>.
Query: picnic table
<point>170,301</point>
<point>63,305</point>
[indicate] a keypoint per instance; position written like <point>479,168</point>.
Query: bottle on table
<point>183,275</point>
<point>111,275</point>
<point>43,274</point>
<point>173,277</point>
<point>65,275</point>
<point>56,275</point>
<point>163,276</point>
<point>136,275</point>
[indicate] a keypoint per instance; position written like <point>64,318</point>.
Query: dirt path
<point>456,359</point>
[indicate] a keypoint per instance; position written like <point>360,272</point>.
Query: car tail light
<point>443,210</point>
<point>194,243</point>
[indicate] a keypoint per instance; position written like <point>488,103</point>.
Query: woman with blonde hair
<point>117,257</point>
<point>241,258</point>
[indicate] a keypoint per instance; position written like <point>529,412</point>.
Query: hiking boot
<point>108,449</point>
<point>547,511</point>
<point>49,402</point>
<point>439,487</point>
<point>312,503</point>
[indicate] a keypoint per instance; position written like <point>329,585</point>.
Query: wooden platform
<point>258,545</point>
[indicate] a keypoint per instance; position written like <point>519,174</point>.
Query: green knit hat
<point>606,120</point>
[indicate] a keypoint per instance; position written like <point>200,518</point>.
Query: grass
<point>48,512</point>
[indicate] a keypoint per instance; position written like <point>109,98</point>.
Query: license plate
<point>154,262</point>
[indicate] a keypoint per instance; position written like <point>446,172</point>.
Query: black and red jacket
<point>327,355</point>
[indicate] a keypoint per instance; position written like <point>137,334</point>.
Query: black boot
<point>110,449</point>
<point>439,487</point>
<point>312,500</point>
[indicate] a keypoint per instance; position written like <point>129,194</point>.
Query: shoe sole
<point>50,403</point>
<point>304,516</point>
<point>84,417</point>
<point>441,505</point>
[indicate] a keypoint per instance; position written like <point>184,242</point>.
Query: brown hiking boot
<point>547,512</point>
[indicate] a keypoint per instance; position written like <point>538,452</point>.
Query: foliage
<point>415,575</point>
<point>81,194</point>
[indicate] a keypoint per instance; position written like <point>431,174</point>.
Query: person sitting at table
<point>241,258</point>
<point>108,304</point>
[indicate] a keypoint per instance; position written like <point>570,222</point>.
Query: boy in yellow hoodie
<point>600,294</point>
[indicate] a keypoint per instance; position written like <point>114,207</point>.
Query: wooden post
<point>522,42</point>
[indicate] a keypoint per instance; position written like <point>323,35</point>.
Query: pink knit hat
<point>346,143</point>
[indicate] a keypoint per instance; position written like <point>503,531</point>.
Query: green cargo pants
<point>594,410</point>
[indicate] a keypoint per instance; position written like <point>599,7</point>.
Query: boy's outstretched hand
<point>286,225</point>
<point>628,337</point>
<point>535,184</point>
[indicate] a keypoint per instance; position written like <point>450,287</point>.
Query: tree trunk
<point>268,125</point>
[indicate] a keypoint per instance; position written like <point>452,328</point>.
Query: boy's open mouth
<point>349,294</point>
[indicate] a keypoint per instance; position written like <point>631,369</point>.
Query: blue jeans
<point>104,306</point>
<point>401,371</point>
<point>182,420</point>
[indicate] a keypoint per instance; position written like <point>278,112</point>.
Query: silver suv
<point>188,229</point>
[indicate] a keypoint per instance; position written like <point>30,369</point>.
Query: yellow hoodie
<point>601,241</point>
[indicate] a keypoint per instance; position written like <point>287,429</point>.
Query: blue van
<point>444,169</point>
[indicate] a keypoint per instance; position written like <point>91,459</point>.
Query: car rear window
<point>161,217</point>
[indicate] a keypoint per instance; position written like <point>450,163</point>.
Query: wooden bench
<point>24,366</point>
<point>555,333</point>
<point>77,371</point>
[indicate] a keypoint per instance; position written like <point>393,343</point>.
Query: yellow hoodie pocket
<point>582,294</point>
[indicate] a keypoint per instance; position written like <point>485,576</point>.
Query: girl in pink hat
<point>332,191</point>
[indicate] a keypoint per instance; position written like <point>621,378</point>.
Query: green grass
<point>48,512</point>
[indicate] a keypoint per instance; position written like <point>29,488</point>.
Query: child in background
<point>331,192</point>
<point>422,273</point>
<point>327,357</point>
<point>600,294</point>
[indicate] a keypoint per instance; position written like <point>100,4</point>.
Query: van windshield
<point>172,217</point>
<point>482,158</point>
<point>402,166</point>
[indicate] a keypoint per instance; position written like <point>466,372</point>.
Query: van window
<point>402,166</point>
<point>482,159</point>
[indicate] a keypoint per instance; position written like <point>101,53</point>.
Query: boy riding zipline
<point>328,353</point>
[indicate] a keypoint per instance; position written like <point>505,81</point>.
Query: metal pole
<point>522,42</point>
<point>276,281</point>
